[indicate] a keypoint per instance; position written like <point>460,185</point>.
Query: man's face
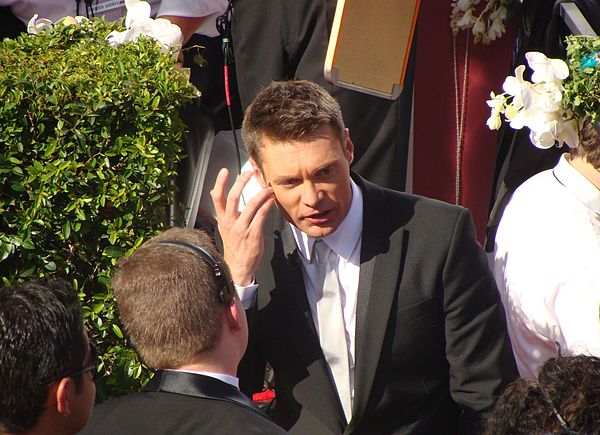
<point>310,179</point>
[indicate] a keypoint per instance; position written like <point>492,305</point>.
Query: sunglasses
<point>92,367</point>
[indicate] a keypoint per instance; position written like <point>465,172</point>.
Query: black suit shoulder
<point>151,412</point>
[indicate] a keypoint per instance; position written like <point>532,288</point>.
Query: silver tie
<point>332,332</point>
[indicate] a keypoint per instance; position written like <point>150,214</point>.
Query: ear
<point>348,147</point>
<point>65,394</point>
<point>234,314</point>
<point>258,174</point>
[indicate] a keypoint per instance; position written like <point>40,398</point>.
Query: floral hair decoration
<point>560,95</point>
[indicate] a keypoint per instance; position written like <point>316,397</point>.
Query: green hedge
<point>89,140</point>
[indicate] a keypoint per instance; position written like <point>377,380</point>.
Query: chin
<point>318,232</point>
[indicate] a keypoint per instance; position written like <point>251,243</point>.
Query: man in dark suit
<point>424,343</point>
<point>177,303</point>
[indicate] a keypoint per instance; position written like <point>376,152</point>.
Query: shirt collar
<point>343,240</point>
<point>231,380</point>
<point>577,184</point>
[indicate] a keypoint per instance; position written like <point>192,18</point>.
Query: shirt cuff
<point>247,294</point>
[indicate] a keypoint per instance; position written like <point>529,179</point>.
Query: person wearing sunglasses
<point>47,364</point>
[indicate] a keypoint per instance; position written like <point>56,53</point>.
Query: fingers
<point>258,206</point>
<point>218,192</point>
<point>233,198</point>
<point>228,203</point>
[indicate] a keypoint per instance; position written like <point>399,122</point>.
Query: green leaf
<point>117,330</point>
<point>114,252</point>
<point>66,229</point>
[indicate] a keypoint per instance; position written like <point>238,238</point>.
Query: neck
<point>216,361</point>
<point>585,168</point>
<point>45,426</point>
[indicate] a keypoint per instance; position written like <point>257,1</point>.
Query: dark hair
<point>589,143</point>
<point>289,110</point>
<point>567,388</point>
<point>41,337</point>
<point>168,298</point>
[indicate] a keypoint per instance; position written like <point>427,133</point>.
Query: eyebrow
<point>282,178</point>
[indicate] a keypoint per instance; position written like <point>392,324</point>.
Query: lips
<point>318,218</point>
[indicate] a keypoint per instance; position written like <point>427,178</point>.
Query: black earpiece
<point>226,290</point>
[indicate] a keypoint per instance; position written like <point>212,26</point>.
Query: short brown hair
<point>589,143</point>
<point>570,385</point>
<point>168,298</point>
<point>289,110</point>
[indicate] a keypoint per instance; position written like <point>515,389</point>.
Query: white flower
<point>496,29</point>
<point>567,133</point>
<point>463,5</point>
<point>478,27</point>
<point>497,104</point>
<point>35,25</point>
<point>536,105</point>
<point>544,69</point>
<point>516,86</point>
<point>137,10</point>
<point>466,21</point>
<point>139,23</point>
<point>499,13</point>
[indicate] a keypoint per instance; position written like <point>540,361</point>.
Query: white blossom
<point>138,22</point>
<point>36,25</point>
<point>546,70</point>
<point>536,105</point>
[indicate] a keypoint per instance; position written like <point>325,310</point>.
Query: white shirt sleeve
<point>191,8</point>
<point>247,294</point>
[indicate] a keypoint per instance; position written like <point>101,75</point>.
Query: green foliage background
<point>89,140</point>
<point>582,87</point>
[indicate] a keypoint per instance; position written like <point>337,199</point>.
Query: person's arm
<point>241,235</point>
<point>188,25</point>
<point>477,344</point>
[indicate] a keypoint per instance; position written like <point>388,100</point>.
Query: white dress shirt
<point>346,243</point>
<point>228,379</point>
<point>547,266</point>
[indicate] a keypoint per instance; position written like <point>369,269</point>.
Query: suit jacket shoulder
<point>181,403</point>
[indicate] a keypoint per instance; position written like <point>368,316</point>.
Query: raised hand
<point>241,232</point>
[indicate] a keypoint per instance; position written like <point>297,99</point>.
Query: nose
<point>310,194</point>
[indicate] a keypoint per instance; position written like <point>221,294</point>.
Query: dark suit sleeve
<point>477,345</point>
<point>251,370</point>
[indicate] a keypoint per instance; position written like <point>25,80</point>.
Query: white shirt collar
<point>228,379</point>
<point>577,184</point>
<point>343,240</point>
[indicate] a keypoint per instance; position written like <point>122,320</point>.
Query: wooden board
<point>370,44</point>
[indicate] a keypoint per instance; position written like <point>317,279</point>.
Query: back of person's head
<point>564,399</point>
<point>42,340</point>
<point>589,143</point>
<point>289,111</point>
<point>169,297</point>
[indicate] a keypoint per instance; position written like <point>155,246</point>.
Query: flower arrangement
<point>536,104</point>
<point>485,18</point>
<point>90,137</point>
<point>560,95</point>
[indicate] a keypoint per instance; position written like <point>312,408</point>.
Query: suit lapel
<point>304,336</point>
<point>382,254</point>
